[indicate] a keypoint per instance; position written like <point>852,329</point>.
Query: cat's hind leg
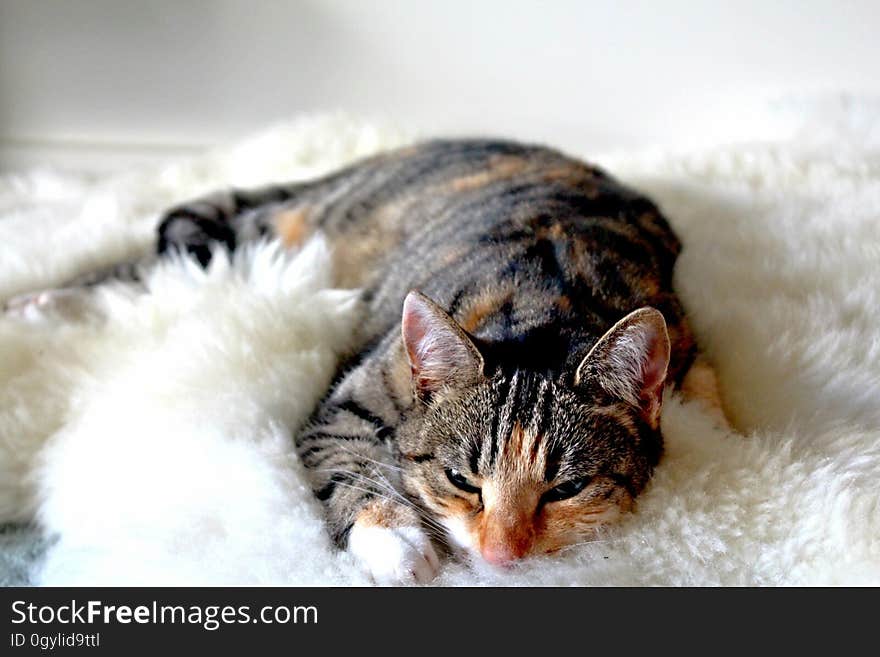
<point>701,384</point>
<point>225,219</point>
<point>61,303</point>
<point>231,217</point>
<point>75,300</point>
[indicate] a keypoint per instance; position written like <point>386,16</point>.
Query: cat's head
<point>513,462</point>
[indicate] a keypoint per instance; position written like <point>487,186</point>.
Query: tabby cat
<point>505,390</point>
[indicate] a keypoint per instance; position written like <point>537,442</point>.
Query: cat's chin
<point>462,546</point>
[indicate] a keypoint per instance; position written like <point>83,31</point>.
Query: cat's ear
<point>629,362</point>
<point>440,352</point>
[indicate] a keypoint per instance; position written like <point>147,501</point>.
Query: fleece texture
<point>151,442</point>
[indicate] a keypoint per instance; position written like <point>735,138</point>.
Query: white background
<point>139,77</point>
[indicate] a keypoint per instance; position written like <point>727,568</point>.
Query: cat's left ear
<point>630,361</point>
<point>440,352</point>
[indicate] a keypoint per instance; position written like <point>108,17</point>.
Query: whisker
<point>367,458</point>
<point>382,483</point>
<point>365,490</point>
<point>595,541</point>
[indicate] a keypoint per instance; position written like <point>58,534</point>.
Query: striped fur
<point>529,258</point>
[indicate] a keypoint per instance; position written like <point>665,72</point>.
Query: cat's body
<point>531,417</point>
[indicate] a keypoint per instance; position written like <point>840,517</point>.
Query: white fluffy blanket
<point>155,445</point>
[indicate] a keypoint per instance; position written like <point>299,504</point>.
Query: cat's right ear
<point>440,353</point>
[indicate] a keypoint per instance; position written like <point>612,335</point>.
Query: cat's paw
<point>47,304</point>
<point>394,555</point>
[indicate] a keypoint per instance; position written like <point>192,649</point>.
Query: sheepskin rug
<point>150,440</point>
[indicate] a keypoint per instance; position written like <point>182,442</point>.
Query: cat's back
<point>465,188</point>
<point>514,240</point>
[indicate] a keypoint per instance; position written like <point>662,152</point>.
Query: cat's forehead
<point>532,401</point>
<point>517,381</point>
<point>526,395</point>
<point>521,414</point>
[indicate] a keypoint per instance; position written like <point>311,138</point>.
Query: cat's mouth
<point>462,544</point>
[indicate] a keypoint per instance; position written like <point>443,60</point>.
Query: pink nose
<point>501,554</point>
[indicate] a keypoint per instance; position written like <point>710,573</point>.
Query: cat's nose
<point>507,530</point>
<point>502,545</point>
<point>501,554</point>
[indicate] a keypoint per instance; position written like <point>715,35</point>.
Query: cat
<point>505,389</point>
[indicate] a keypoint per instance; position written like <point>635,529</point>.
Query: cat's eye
<point>565,490</point>
<point>458,480</point>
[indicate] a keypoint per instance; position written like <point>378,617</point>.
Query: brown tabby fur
<point>526,258</point>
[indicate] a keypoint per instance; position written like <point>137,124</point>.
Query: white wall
<point>600,74</point>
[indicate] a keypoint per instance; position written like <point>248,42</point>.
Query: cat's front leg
<point>354,474</point>
<point>388,541</point>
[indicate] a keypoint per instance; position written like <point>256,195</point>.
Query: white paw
<point>393,556</point>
